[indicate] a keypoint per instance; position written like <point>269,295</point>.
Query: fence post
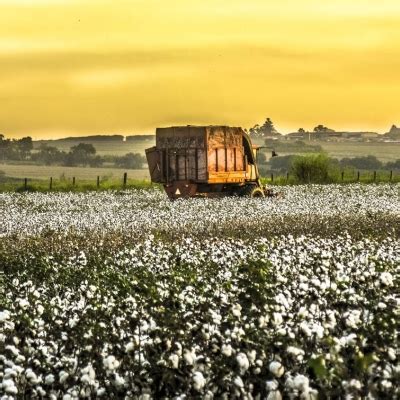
<point>26,184</point>
<point>272,178</point>
<point>73,181</point>
<point>342,176</point>
<point>358,176</point>
<point>391,175</point>
<point>125,178</point>
<point>51,183</point>
<point>374,176</point>
<point>98,182</point>
<point>287,176</point>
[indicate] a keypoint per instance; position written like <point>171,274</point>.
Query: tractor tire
<point>252,191</point>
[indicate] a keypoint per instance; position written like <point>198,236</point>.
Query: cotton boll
<point>274,395</point>
<point>276,368</point>
<point>237,310</point>
<point>49,379</point>
<point>243,362</point>
<point>198,381</point>
<point>111,363</point>
<point>9,386</point>
<point>226,350</point>
<point>272,385</point>
<point>386,278</point>
<point>63,376</point>
<point>238,382</point>
<point>189,357</point>
<point>174,360</point>
<point>129,347</point>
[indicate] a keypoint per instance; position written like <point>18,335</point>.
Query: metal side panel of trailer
<point>212,154</point>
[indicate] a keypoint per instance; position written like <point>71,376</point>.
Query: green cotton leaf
<point>364,361</point>
<point>318,367</point>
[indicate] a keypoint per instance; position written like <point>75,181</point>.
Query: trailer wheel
<point>252,191</point>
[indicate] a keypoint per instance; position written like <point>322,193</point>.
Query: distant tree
<point>393,165</point>
<point>48,155</point>
<point>130,161</point>
<point>266,129</point>
<point>4,145</point>
<point>301,130</point>
<point>322,128</point>
<point>24,146</point>
<point>255,130</point>
<point>368,162</point>
<point>81,154</point>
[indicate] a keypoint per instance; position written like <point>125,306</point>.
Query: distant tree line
<point>15,149</point>
<point>83,154</point>
<point>369,163</point>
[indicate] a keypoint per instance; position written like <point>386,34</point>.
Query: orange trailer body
<point>202,160</point>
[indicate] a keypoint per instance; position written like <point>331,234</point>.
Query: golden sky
<point>70,67</point>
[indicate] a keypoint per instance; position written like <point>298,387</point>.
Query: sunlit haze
<point>104,67</point>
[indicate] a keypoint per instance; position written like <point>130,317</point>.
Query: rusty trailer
<point>204,161</point>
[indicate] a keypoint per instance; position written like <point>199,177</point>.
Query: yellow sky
<point>70,67</point>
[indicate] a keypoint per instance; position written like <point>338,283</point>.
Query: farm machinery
<point>211,161</point>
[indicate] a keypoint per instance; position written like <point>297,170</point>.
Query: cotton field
<point>128,295</point>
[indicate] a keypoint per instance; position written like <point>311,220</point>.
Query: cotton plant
<point>98,302</point>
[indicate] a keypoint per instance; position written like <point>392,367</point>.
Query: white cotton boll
<point>386,384</point>
<point>63,376</point>
<point>101,392</point>
<point>174,359</point>
<point>303,312</point>
<point>276,368</point>
<point>119,381</point>
<point>353,318</point>
<point>355,384</point>
<point>111,363</point>
<point>391,353</point>
<point>189,357</point>
<point>381,305</point>
<point>319,330</point>
<point>386,278</point>
<point>295,351</point>
<point>49,380</point>
<point>129,347</point>
<point>301,382</point>
<point>305,329</point>
<point>23,303</point>
<point>274,395</point>
<point>237,310</point>
<point>263,321</point>
<point>277,319</point>
<point>31,376</point>
<point>252,355</point>
<point>272,385</point>
<point>281,332</point>
<point>9,386</point>
<point>67,397</point>
<point>13,350</point>
<point>226,350</point>
<point>238,382</point>
<point>40,309</point>
<point>4,315</point>
<point>243,362</point>
<point>198,381</point>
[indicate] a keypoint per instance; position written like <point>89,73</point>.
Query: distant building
<point>334,136</point>
<point>393,134</point>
